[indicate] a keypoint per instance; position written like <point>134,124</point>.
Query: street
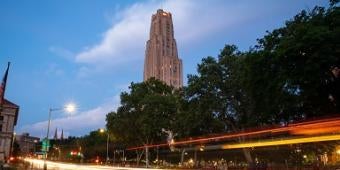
<point>39,164</point>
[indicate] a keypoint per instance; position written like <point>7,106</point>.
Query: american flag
<point>3,85</point>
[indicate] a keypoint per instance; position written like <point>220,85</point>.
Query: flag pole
<point>3,85</point>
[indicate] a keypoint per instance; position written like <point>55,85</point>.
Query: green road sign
<point>45,145</point>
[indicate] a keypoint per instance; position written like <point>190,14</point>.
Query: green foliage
<point>144,111</point>
<point>284,78</point>
<point>93,144</point>
<point>293,66</point>
<point>217,94</point>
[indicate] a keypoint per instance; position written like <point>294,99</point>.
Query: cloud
<point>121,41</point>
<point>75,125</point>
<point>125,40</point>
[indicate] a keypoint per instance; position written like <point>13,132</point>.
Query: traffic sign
<point>45,145</point>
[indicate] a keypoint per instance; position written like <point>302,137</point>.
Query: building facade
<point>27,143</point>
<point>8,119</point>
<point>161,56</point>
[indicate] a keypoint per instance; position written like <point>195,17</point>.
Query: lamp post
<point>107,144</point>
<point>35,145</point>
<point>68,108</point>
<point>12,144</point>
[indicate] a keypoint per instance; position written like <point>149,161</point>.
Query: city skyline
<point>53,62</point>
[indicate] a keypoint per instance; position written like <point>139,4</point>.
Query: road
<point>39,164</point>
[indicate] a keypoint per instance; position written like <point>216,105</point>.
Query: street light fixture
<point>68,108</point>
<point>107,144</point>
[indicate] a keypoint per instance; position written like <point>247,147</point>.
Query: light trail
<point>37,163</point>
<point>315,130</point>
<point>282,142</point>
<point>303,128</point>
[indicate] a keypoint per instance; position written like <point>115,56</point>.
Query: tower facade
<point>161,57</point>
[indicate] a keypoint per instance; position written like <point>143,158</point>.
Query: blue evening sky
<point>87,52</point>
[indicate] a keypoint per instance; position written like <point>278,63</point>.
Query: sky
<point>88,52</point>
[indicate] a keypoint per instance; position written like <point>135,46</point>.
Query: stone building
<point>27,143</point>
<point>8,119</point>
<point>161,56</point>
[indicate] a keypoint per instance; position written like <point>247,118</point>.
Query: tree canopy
<point>144,112</point>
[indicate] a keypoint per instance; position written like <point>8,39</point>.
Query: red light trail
<point>314,127</point>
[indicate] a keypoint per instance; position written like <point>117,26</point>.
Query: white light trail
<point>37,163</point>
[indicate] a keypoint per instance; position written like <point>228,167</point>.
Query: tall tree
<point>296,62</point>
<point>218,95</point>
<point>145,110</point>
<point>284,78</point>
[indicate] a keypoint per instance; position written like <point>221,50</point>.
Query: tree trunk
<point>139,156</point>
<point>195,158</point>
<point>247,155</point>
<point>182,157</point>
<point>246,152</point>
<point>146,157</point>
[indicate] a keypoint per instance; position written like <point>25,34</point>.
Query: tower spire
<point>62,134</point>
<point>56,134</point>
<point>3,85</point>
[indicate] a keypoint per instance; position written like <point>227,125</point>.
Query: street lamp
<point>35,145</point>
<point>68,108</point>
<point>12,144</point>
<point>107,144</point>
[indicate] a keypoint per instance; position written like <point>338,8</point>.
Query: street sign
<point>45,145</point>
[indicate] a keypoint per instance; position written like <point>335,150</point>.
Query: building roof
<point>8,103</point>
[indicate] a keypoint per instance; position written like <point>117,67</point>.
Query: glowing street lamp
<point>68,108</point>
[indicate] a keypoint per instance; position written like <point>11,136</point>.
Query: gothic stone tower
<point>161,57</point>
